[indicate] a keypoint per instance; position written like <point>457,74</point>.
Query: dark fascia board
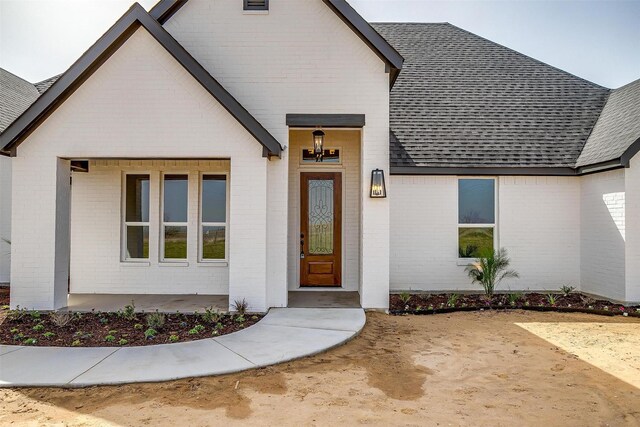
<point>630,152</point>
<point>326,120</point>
<point>164,9</point>
<point>135,17</point>
<point>511,171</point>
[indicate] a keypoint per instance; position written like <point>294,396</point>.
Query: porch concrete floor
<point>163,303</point>
<point>283,335</point>
<point>324,299</point>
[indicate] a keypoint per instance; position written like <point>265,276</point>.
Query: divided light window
<point>175,206</point>
<point>136,217</point>
<point>213,219</point>
<point>256,4</point>
<point>476,217</point>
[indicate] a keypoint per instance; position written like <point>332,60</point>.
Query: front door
<point>321,229</point>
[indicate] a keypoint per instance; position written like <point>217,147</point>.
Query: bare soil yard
<point>479,368</point>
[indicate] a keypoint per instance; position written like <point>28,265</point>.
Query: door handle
<point>301,246</point>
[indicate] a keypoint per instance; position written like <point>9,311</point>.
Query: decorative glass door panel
<point>320,229</point>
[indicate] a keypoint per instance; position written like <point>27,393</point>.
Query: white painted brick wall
<point>141,103</point>
<point>538,223</point>
<point>603,233</point>
<point>299,58</point>
<point>632,177</point>
<point>5,218</point>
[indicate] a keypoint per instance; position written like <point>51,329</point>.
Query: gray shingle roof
<point>617,128</point>
<point>46,84</point>
<point>464,101</point>
<point>16,95</point>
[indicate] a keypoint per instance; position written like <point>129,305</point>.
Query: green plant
<point>138,326</point>
<point>174,338</point>
<point>210,315</point>
<point>30,341</point>
<point>514,297</point>
<point>196,330</point>
<point>240,319</point>
<point>453,300</point>
<point>113,332</point>
<point>35,315</point>
<point>123,342</point>
<point>219,326</point>
<point>551,298</point>
<point>150,333</point>
<point>18,337</point>
<point>404,297</point>
<point>103,320</point>
<point>468,251</point>
<point>241,306</point>
<point>39,327</point>
<point>60,318</point>
<point>14,330</point>
<point>156,320</point>
<point>48,335</point>
<point>566,290</point>
<point>129,311</point>
<point>109,338</point>
<point>490,270</point>
<point>17,315</point>
<point>76,343</point>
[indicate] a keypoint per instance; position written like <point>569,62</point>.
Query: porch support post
<point>40,232</point>
<point>374,272</point>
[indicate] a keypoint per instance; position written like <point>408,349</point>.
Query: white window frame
<point>164,224</point>
<point>202,224</point>
<point>494,225</point>
<point>125,223</point>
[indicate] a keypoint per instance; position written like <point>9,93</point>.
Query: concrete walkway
<point>284,334</point>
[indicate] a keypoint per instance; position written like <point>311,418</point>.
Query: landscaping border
<point>609,313</point>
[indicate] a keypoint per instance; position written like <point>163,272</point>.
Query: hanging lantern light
<point>318,144</point>
<point>378,189</point>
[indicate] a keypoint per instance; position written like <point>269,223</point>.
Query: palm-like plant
<point>490,270</point>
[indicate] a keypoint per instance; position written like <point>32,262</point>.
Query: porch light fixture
<point>318,144</point>
<point>378,189</point>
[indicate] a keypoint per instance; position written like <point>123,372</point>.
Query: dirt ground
<point>480,368</point>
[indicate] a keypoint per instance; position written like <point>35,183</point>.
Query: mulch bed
<point>445,303</point>
<point>113,329</point>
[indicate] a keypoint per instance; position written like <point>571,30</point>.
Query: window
<point>174,218</point>
<point>331,155</point>
<point>213,219</point>
<point>476,217</point>
<point>136,217</point>
<point>256,4</point>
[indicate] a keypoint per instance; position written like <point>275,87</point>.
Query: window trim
<point>249,8</point>
<point>163,224</point>
<point>202,224</point>
<point>124,223</point>
<point>329,164</point>
<point>494,225</point>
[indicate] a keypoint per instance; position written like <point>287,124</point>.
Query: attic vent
<point>256,4</point>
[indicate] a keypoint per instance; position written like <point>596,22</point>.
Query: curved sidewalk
<point>283,335</point>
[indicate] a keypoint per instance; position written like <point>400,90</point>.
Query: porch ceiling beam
<point>326,120</point>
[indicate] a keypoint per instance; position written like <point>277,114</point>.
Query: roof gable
<point>115,37</point>
<point>164,9</point>
<point>16,95</point>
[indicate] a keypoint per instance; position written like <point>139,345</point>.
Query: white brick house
<point>177,157</point>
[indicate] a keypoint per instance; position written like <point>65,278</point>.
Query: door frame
<point>326,169</point>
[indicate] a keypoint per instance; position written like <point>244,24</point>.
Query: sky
<point>596,40</point>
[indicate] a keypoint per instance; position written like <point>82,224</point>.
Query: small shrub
<point>48,335</point>
<point>123,342</point>
<point>5,307</point>
<point>156,320</point>
<point>514,297</point>
<point>76,343</point>
<point>196,330</point>
<point>490,270</point>
<point>17,315</point>
<point>219,326</point>
<point>214,332</point>
<point>551,298</point>
<point>35,315</point>
<point>241,306</point>
<point>14,330</point>
<point>240,319</point>
<point>30,341</point>
<point>404,297</point>
<point>174,338</point>
<point>39,327</point>
<point>113,332</point>
<point>566,290</point>
<point>129,312</point>
<point>210,316</point>
<point>138,326</point>
<point>18,337</point>
<point>103,320</point>
<point>150,333</point>
<point>109,338</point>
<point>453,300</point>
<point>60,318</point>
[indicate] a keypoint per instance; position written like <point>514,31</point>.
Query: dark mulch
<point>445,303</point>
<point>4,296</point>
<point>92,329</point>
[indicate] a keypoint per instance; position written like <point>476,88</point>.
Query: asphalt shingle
<point>464,101</point>
<point>16,95</point>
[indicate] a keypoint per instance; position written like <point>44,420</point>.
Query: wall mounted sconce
<point>378,188</point>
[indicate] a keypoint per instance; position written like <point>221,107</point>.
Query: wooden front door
<point>321,229</point>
